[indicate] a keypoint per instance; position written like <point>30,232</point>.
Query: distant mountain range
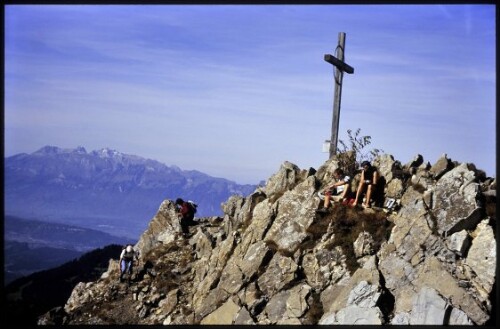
<point>104,189</point>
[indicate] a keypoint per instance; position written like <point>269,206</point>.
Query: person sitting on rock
<point>338,191</point>
<point>368,181</point>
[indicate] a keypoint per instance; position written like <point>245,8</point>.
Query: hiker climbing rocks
<point>127,261</point>
<point>338,191</point>
<point>369,178</point>
<point>186,211</point>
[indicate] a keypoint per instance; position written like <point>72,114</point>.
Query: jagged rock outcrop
<point>271,259</point>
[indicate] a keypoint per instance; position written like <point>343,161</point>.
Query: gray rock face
<point>428,308</point>
<point>482,260</point>
<point>454,201</point>
<point>273,260</point>
<point>281,267</point>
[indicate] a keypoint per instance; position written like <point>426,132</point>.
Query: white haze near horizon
<point>236,90</point>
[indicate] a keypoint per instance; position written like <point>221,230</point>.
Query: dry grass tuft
<point>346,225</point>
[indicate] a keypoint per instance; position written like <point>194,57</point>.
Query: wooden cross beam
<point>339,64</point>
<point>340,68</point>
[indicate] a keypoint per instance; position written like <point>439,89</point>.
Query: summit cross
<point>340,68</point>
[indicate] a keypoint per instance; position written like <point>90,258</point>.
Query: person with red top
<point>186,215</point>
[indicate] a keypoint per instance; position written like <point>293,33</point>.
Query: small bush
<point>351,153</point>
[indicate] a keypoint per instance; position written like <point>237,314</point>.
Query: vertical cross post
<point>340,68</point>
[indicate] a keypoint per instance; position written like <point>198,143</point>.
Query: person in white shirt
<point>338,191</point>
<point>127,260</point>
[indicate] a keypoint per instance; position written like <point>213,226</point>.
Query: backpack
<point>194,206</point>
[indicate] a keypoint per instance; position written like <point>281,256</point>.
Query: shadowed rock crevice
<point>386,301</point>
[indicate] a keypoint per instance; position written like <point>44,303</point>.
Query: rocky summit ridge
<point>272,259</point>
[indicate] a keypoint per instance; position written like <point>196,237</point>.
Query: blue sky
<point>236,90</point>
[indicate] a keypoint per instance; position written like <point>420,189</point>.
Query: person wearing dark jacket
<point>369,178</point>
<point>186,215</point>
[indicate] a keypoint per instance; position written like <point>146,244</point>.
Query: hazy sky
<point>236,90</point>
